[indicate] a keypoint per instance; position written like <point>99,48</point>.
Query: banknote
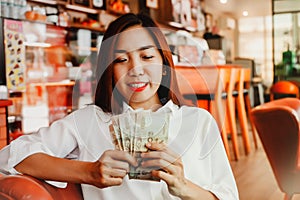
<point>116,133</point>
<point>131,131</point>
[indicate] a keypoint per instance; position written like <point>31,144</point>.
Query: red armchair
<point>21,187</point>
<point>277,124</point>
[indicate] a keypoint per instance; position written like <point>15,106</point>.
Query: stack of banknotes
<point>131,131</point>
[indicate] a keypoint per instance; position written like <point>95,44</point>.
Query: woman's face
<point>137,68</point>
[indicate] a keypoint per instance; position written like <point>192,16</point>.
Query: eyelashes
<point>121,60</point>
<point>148,57</point>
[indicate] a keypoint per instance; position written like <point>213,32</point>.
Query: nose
<point>137,68</point>
<point>136,71</point>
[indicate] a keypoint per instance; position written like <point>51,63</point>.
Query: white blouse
<point>84,135</point>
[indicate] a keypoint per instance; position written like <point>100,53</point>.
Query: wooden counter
<point>4,134</point>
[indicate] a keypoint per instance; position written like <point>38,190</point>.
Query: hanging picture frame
<point>152,4</point>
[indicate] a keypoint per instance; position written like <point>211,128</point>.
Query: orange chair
<point>283,89</point>
<point>26,187</point>
<point>277,124</point>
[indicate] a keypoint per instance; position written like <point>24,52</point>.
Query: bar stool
<point>242,102</point>
<point>220,109</point>
<point>206,83</point>
<point>256,80</point>
<point>238,99</point>
<point>246,90</point>
<point>233,77</point>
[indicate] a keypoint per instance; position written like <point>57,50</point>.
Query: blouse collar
<point>168,107</point>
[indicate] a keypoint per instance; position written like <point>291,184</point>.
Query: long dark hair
<point>106,96</point>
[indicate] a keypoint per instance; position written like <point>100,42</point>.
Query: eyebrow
<point>139,49</point>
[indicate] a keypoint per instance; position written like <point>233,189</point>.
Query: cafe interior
<point>240,60</point>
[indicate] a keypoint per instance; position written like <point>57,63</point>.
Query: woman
<point>135,71</point>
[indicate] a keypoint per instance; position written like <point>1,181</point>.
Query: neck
<point>153,104</point>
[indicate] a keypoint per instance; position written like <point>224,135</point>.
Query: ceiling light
<point>223,1</point>
<point>245,13</point>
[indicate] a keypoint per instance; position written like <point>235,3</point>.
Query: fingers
<point>118,173</point>
<point>168,178</point>
<point>161,151</point>
<point>116,158</point>
<point>161,147</point>
<point>113,181</point>
<point>112,167</point>
<point>160,164</point>
<point>160,155</point>
<point>171,167</point>
<point>163,158</point>
<point>107,180</point>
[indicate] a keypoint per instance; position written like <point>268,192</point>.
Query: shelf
<point>73,25</point>
<point>79,26</point>
<point>67,5</point>
<point>82,9</point>
<point>47,2</point>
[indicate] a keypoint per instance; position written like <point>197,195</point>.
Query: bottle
<point>10,8</point>
<point>297,58</point>
<point>287,58</point>
<point>206,60</point>
<point>63,19</point>
<point>15,9</point>
<point>23,9</point>
<point>298,54</point>
<point>4,10</point>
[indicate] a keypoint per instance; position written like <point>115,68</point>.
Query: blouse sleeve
<point>57,140</point>
<point>223,183</point>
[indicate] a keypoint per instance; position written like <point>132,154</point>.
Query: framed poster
<point>152,4</point>
<point>14,55</point>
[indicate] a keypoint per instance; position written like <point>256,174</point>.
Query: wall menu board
<point>14,55</point>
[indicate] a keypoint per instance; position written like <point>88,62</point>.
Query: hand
<point>111,168</point>
<point>172,167</point>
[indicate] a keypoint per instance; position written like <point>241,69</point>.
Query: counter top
<point>207,66</point>
<point>5,102</point>
<point>60,83</point>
